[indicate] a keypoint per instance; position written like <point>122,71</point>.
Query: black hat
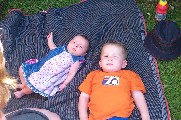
<point>164,41</point>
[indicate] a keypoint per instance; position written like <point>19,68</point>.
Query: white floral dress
<point>46,75</point>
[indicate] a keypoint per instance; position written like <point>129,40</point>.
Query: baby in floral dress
<point>54,71</point>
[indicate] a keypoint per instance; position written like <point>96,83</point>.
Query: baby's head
<point>78,46</point>
<point>113,57</point>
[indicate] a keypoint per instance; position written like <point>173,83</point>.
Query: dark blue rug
<point>101,20</point>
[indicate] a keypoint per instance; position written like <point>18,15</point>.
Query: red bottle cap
<point>162,9</point>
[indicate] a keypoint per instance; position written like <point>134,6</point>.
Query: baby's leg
<point>23,84</point>
<point>25,91</point>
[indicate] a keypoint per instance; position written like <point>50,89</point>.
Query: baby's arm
<point>73,70</point>
<point>141,104</point>
<point>83,106</point>
<point>51,44</point>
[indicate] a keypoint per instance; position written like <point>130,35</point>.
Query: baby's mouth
<point>109,64</point>
<point>74,49</point>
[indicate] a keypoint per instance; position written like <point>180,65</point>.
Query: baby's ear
<point>124,64</point>
<point>100,63</point>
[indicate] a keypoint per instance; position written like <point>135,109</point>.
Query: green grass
<point>170,71</point>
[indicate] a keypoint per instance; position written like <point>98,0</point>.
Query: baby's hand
<point>62,86</point>
<point>50,36</point>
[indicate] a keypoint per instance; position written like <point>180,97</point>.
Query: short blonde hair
<point>117,44</point>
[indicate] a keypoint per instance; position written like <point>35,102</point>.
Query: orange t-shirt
<point>111,93</point>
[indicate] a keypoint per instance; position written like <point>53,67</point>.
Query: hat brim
<point>159,54</point>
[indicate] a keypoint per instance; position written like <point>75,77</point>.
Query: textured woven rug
<point>24,37</point>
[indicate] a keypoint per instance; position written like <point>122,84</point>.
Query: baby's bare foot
<point>18,94</point>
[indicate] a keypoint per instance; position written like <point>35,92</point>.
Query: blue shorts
<point>117,118</point>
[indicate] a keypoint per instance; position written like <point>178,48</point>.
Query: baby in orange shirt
<point>110,93</point>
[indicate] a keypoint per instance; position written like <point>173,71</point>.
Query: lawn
<point>170,71</point>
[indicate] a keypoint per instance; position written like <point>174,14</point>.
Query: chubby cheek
<point>79,51</point>
<point>103,64</point>
<point>119,64</point>
<point>71,45</point>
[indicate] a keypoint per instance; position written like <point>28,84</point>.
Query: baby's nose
<point>77,45</point>
<point>110,58</point>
